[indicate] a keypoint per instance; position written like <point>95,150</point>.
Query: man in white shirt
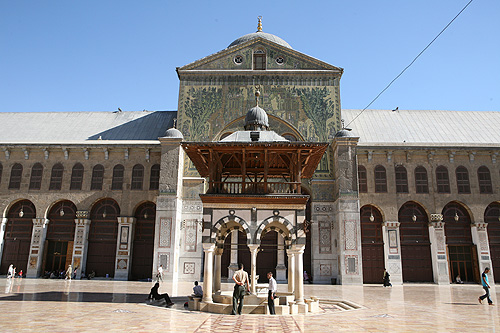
<point>273,287</point>
<point>159,276</point>
<point>240,277</point>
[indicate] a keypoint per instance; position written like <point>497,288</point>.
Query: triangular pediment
<point>278,57</point>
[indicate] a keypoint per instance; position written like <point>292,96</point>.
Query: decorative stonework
<point>189,267</point>
<point>351,264</point>
<point>192,207</point>
<point>325,243</point>
<point>165,203</point>
<point>483,242</point>
<point>439,233</point>
<point>165,231</point>
<point>323,208</point>
<point>36,236</point>
<point>82,214</point>
<point>122,264</point>
<point>436,217</point>
<point>350,235</point>
<point>79,236</point>
<point>190,235</point>
<point>325,269</point>
<point>394,268</point>
<point>164,259</point>
<point>33,261</point>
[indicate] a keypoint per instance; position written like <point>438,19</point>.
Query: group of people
<point>11,273</point>
<point>67,274</point>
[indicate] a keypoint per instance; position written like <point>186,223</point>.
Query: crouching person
<point>153,294</point>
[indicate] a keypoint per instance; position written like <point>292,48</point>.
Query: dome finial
<point>259,26</point>
<point>257,94</point>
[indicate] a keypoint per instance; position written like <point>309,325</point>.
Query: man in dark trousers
<point>273,287</point>
<point>486,287</point>
<point>240,278</point>
<point>154,294</point>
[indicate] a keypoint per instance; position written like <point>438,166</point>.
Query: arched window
<point>380,179</point>
<point>484,177</point>
<point>76,177</point>
<point>97,177</point>
<point>36,177</point>
<point>137,177</point>
<point>401,179</point>
<point>289,137</point>
<point>463,184</point>
<point>259,60</point>
<point>56,177</point>
<point>362,179</point>
<point>442,180</point>
<point>16,175</point>
<point>117,182</point>
<point>154,177</point>
<point>421,182</point>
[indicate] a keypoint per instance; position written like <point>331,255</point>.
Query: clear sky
<point>98,55</point>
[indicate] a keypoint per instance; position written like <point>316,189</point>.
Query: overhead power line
<point>411,63</point>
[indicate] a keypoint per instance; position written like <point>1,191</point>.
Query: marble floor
<point>105,305</point>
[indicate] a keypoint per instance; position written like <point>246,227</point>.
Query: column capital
<point>40,222</point>
<point>126,220</point>
<point>437,225</point>
<point>82,221</point>
<point>208,247</point>
<point>436,217</point>
<point>4,220</point>
<point>391,224</point>
<point>219,251</point>
<point>253,247</point>
<point>298,248</point>
<point>82,214</point>
<point>480,225</point>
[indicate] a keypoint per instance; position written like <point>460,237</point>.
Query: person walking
<point>240,278</point>
<point>387,280</point>
<point>159,275</point>
<point>273,288</point>
<point>10,272</point>
<point>69,273</point>
<point>486,287</point>
<point>153,294</point>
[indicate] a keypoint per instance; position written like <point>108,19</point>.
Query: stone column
<point>299,271</point>
<point>392,251</point>
<point>480,239</point>
<point>438,250</point>
<point>3,225</point>
<point>217,269</point>
<point>233,265</point>
<point>37,246</point>
<point>280,267</point>
<point>124,243</point>
<point>254,250</point>
<point>208,273</point>
<point>80,244</point>
<point>291,270</point>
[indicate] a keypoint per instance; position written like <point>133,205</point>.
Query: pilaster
<point>80,244</point>
<point>392,251</point>
<point>38,236</point>
<point>438,250</point>
<point>233,265</point>
<point>480,239</point>
<point>123,261</point>
<point>3,225</point>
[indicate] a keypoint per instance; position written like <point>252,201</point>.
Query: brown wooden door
<point>416,260</point>
<point>495,260</point>
<point>267,259</point>
<point>143,246</point>
<point>461,262</point>
<point>373,263</point>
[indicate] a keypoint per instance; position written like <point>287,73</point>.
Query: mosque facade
<point>114,193</point>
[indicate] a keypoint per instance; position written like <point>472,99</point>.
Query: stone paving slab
<point>104,305</point>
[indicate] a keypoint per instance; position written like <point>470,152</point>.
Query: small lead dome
<point>256,118</point>
<point>173,133</point>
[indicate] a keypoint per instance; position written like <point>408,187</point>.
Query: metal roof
<point>67,127</point>
<point>425,127</point>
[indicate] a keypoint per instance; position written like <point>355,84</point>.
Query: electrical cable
<point>404,70</point>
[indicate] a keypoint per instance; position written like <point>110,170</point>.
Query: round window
<point>238,59</point>
<point>280,60</point>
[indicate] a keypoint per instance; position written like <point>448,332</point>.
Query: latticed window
<point>463,184</point>
<point>259,61</point>
<point>380,179</point>
<point>154,177</point>
<point>16,175</point>
<point>56,177</point>
<point>401,179</point>
<point>117,182</point>
<point>137,177</point>
<point>97,177</point>
<point>484,177</point>
<point>421,181</point>
<point>36,177</point>
<point>362,179</point>
<point>442,179</point>
<point>76,177</point>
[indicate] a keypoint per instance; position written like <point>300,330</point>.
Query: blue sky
<point>101,55</point>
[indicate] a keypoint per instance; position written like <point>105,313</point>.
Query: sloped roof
<point>67,127</point>
<point>425,127</point>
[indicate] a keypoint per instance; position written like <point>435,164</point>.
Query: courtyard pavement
<point>105,305</point>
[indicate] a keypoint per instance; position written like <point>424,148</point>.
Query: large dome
<point>261,34</point>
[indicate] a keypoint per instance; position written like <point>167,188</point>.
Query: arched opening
<point>241,253</point>
<point>58,246</point>
<point>372,244</point>
<point>492,217</point>
<point>415,243</point>
<point>17,237</point>
<point>462,253</point>
<point>102,238</point>
<point>142,255</point>
<point>267,258</point>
